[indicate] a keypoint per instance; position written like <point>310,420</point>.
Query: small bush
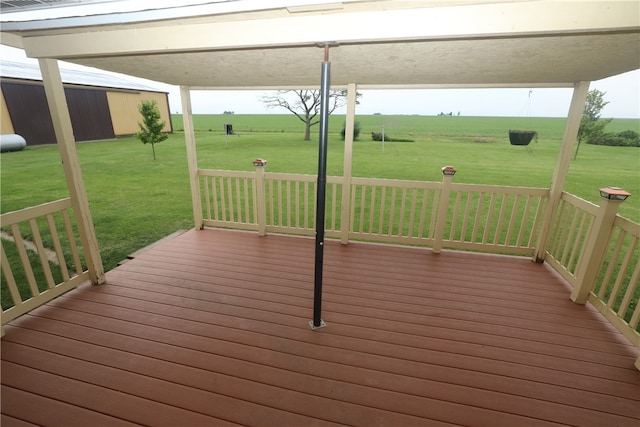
<point>627,138</point>
<point>356,130</point>
<point>377,136</point>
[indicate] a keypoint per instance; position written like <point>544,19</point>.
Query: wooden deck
<point>210,328</point>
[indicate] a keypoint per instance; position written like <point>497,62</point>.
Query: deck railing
<point>494,218</point>
<point>572,224</point>
<point>229,199</point>
<point>436,214</point>
<point>41,256</point>
<point>597,252</point>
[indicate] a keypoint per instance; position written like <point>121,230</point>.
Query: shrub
<point>356,130</point>
<point>627,138</point>
<point>377,136</point>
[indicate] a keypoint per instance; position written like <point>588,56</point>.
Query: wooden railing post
<point>345,226</point>
<point>192,158</point>
<point>261,205</point>
<point>447,175</point>
<point>596,244</point>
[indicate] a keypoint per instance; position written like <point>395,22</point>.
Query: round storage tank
<point>12,142</point>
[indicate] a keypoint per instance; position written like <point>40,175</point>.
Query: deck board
<point>210,328</point>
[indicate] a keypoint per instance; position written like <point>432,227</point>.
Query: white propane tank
<point>12,142</point>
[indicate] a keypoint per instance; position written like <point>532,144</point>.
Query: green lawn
<point>136,200</point>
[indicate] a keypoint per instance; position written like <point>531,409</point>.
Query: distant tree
<point>305,104</point>
<point>151,126</point>
<point>591,125</point>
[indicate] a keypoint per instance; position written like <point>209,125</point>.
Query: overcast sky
<point>622,93</point>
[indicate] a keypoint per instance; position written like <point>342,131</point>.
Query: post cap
<point>448,170</point>
<point>614,193</point>
<point>259,162</point>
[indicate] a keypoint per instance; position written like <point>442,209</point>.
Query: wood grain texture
<point>210,328</point>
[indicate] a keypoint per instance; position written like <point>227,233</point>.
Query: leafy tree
<point>151,126</point>
<point>591,125</point>
<point>305,104</point>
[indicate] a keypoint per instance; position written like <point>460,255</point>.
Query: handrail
<point>47,230</point>
<point>505,219</point>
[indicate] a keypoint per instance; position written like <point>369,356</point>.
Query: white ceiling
<point>246,44</point>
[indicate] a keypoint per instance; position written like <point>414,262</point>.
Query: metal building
<point>101,106</point>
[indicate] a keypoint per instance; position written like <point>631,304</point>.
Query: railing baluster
<point>561,226</point>
<point>392,211</point>
<point>306,204</point>
<point>214,197</point>
<point>280,206</point>
<point>363,197</point>
<point>577,247</point>
<point>515,213</point>
<point>44,261</point>
<point>525,218</point>
<point>617,286</point>
<point>423,212</point>
<point>467,215</point>
<point>271,200</point>
<point>383,208</point>
<point>454,218</point>
<point>223,200</point>
<point>412,213</point>
<point>401,213</point>
<point>354,189</point>
<point>372,208</point>
<point>612,263</point>
<point>297,204</point>
<point>75,253</point>
<point>631,286</point>
<point>8,275</point>
<point>437,195</point>
<point>334,206</point>
<point>501,215</point>
<point>635,318</point>
<point>238,198</point>
<point>207,197</point>
<point>288,214</point>
<point>476,223</point>
<point>247,211</point>
<point>57,246</point>
<point>24,258</point>
<point>488,221</point>
<point>537,221</point>
<point>570,238</point>
<point>230,199</point>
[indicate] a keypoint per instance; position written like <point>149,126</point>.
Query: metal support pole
<point>317,321</point>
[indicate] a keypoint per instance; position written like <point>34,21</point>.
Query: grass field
<point>453,126</point>
<point>136,200</point>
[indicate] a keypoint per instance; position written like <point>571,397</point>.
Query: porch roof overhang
<point>380,44</point>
